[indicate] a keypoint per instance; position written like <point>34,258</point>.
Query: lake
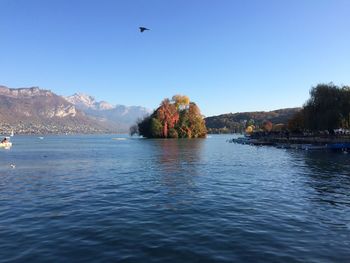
<point>95,198</point>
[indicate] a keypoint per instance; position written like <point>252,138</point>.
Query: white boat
<point>6,145</point>
<point>119,139</point>
<point>12,133</point>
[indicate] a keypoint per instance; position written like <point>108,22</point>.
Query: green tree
<point>297,122</point>
<point>327,108</point>
<point>156,128</point>
<point>144,127</point>
<point>345,107</point>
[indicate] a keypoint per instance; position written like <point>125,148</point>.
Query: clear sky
<point>226,55</point>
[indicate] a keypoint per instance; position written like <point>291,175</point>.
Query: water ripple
<point>84,198</point>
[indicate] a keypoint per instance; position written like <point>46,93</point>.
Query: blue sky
<point>227,56</point>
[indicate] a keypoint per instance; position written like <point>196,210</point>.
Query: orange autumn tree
<point>168,116</point>
<point>267,126</point>
<point>176,118</point>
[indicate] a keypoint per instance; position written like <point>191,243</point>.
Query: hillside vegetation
<point>238,122</point>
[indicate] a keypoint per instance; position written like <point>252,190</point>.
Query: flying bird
<point>143,29</point>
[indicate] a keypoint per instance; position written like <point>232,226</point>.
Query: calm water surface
<point>92,198</point>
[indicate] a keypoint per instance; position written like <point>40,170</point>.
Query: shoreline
<point>298,142</point>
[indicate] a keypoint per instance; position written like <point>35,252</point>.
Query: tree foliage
<point>178,118</point>
<point>267,126</point>
<point>181,101</point>
<point>238,122</point>
<point>327,108</point>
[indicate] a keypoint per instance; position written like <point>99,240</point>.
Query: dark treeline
<point>176,118</point>
<point>328,108</point>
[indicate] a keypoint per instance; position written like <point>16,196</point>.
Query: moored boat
<point>6,145</point>
<point>310,147</point>
<point>243,140</point>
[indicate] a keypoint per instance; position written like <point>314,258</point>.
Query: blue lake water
<point>92,198</point>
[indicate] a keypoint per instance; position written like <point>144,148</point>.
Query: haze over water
<point>91,198</point>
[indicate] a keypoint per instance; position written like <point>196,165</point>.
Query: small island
<point>175,118</point>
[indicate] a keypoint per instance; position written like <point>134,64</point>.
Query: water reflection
<point>178,165</point>
<point>179,156</point>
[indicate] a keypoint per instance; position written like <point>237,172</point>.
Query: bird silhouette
<point>143,29</point>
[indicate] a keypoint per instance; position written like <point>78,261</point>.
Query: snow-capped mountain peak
<point>85,101</point>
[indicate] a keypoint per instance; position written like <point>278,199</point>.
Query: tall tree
<point>328,108</point>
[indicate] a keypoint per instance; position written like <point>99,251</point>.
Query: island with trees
<point>175,118</point>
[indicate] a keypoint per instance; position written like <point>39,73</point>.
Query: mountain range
<point>38,111</point>
<point>118,117</point>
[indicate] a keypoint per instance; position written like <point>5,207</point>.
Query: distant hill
<point>236,122</point>
<point>38,111</point>
<point>118,117</point>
